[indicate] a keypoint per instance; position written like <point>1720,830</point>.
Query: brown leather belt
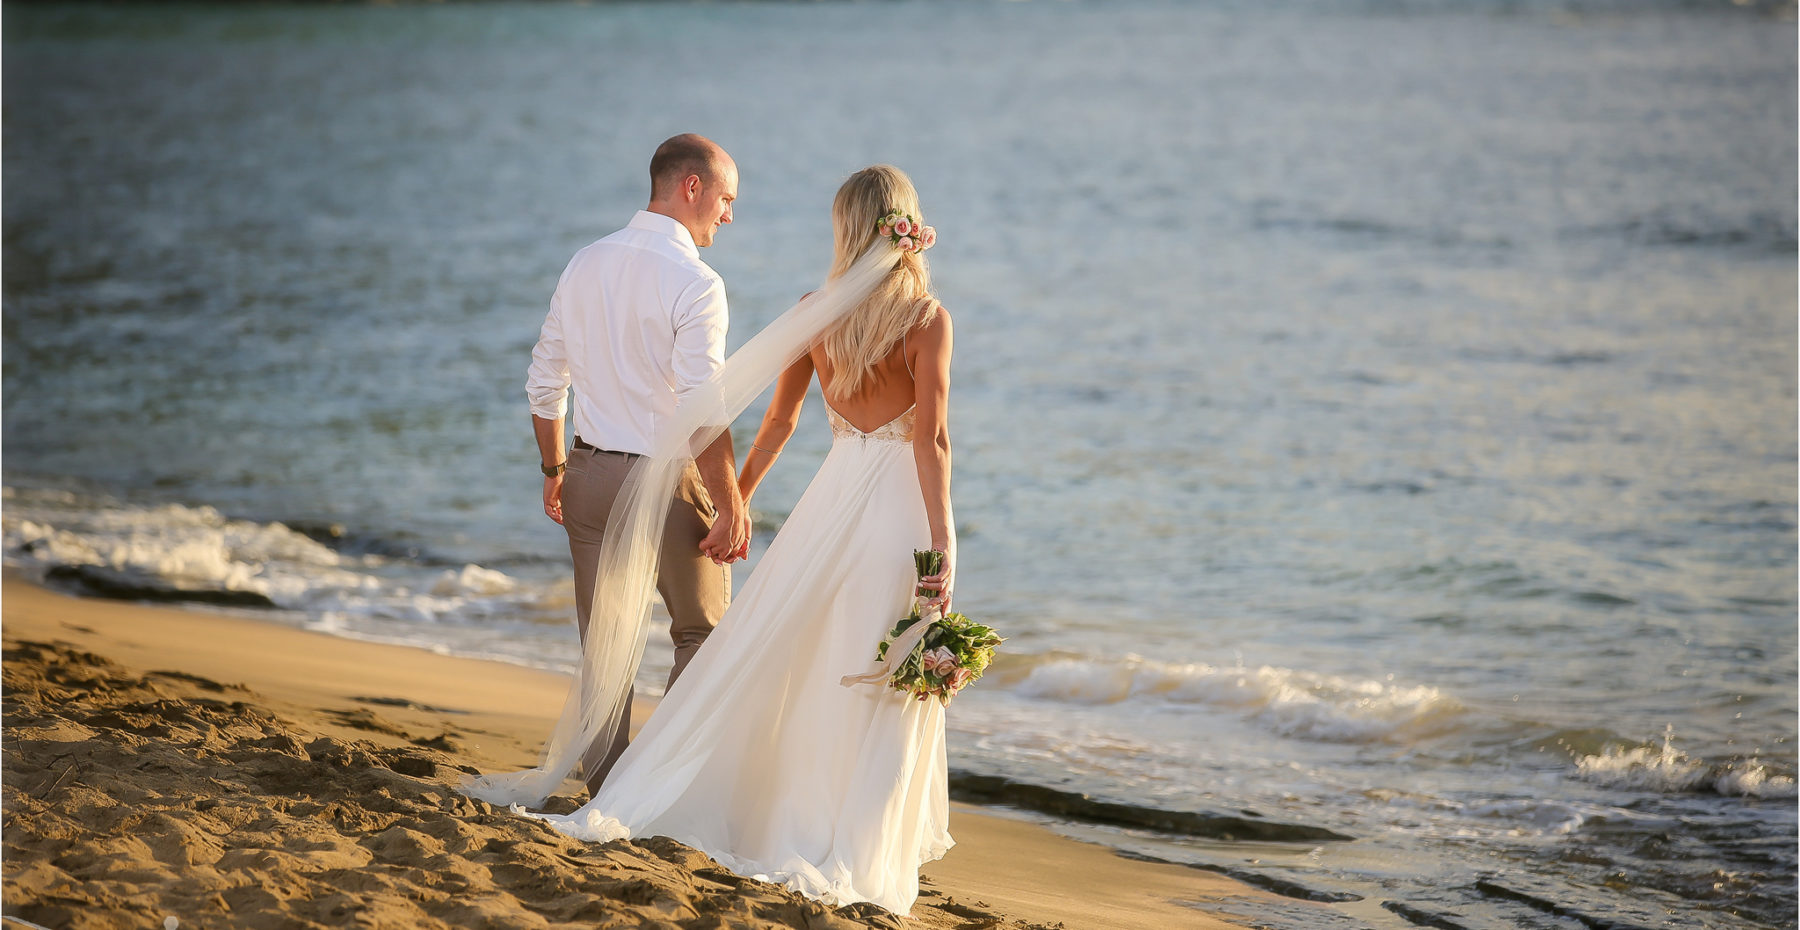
<point>586,446</point>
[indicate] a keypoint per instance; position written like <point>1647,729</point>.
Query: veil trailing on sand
<point>619,622</point>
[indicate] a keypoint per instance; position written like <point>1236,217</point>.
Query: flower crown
<point>907,234</point>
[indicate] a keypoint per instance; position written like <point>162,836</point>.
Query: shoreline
<point>493,715</point>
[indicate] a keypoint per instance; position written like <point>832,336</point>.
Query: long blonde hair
<point>863,338</point>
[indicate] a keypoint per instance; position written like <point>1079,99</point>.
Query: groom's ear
<point>690,188</point>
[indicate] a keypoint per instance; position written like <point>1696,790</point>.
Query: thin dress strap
<point>906,356</point>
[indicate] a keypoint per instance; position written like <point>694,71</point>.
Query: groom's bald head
<point>693,181</point>
<point>686,156</point>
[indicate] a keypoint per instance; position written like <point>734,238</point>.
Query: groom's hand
<point>723,541</point>
<point>553,498</point>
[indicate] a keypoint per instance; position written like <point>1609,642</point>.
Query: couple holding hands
<point>758,754</point>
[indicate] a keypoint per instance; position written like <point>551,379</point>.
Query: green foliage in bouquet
<point>953,653</point>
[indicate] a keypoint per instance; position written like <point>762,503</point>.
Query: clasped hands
<point>729,539</point>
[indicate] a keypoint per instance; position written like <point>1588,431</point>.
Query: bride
<point>759,755</point>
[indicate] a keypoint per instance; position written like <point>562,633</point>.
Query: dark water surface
<point>1381,418</point>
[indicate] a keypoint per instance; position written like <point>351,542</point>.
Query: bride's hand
<point>743,551</point>
<point>943,583</point>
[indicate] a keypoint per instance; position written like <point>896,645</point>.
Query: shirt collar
<point>666,225</point>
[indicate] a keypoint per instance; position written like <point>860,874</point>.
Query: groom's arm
<point>547,386</point>
<point>550,451</point>
<point>730,533</point>
<point>699,352</point>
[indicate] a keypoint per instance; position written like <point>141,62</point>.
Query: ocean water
<point>1378,417</point>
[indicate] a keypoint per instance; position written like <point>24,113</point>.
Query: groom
<point>636,323</point>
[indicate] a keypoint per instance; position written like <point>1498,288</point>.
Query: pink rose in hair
<point>905,243</point>
<point>886,231</point>
<point>903,226</point>
<point>928,237</point>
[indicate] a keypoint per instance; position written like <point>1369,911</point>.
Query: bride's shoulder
<point>933,330</point>
<point>933,315</point>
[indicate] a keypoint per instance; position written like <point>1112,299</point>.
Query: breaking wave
<point>1668,770</point>
<point>181,552</point>
<point>1292,702</point>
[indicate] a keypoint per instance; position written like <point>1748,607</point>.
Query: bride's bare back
<point>914,375</point>
<point>889,389</point>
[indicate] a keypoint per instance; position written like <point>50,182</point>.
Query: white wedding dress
<point>757,755</point>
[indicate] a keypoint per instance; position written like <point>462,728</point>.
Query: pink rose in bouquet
<point>940,661</point>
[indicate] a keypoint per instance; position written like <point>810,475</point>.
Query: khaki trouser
<point>695,589</point>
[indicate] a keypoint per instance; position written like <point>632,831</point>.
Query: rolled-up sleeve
<point>547,382</point>
<point>699,352</point>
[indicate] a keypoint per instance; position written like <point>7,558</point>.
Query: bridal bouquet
<point>953,652</point>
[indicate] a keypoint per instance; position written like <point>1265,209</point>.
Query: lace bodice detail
<point>899,429</point>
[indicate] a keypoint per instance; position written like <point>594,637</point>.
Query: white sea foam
<point>1669,770</point>
<point>1412,811</point>
<point>1292,702</point>
<point>189,547</point>
<point>1643,768</point>
<point>1529,816</point>
<point>473,579</point>
<point>198,548</point>
<point>1754,780</point>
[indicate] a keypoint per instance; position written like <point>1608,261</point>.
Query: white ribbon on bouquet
<point>898,650</point>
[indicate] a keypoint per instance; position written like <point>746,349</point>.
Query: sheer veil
<point>620,617</point>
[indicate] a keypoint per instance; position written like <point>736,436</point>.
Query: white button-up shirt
<point>637,322</point>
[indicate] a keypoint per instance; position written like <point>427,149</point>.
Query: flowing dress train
<point>757,755</point>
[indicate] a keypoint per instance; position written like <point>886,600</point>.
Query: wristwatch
<point>551,471</point>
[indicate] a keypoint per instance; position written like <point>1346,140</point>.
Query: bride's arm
<point>777,425</point>
<point>931,438</point>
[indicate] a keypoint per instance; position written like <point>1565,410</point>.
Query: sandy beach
<point>161,762</point>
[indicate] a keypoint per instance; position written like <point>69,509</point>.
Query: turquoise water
<point>1380,418</point>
